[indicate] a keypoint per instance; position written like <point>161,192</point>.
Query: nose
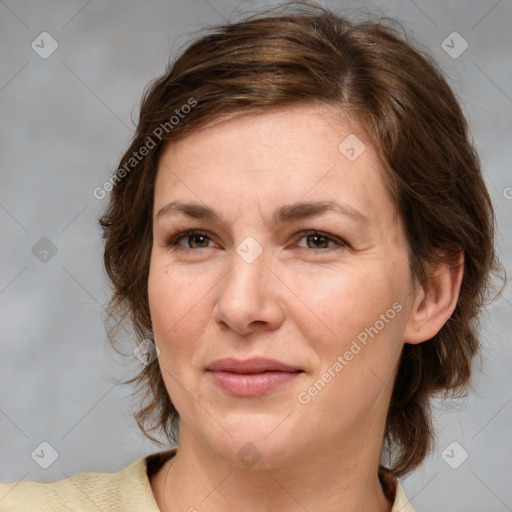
<point>248,296</point>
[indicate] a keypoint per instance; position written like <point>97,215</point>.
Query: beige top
<point>128,490</point>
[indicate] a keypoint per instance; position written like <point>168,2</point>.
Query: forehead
<point>279,156</point>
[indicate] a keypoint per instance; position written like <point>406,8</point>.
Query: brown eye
<point>317,241</point>
<point>197,241</point>
<point>320,241</point>
<point>193,240</point>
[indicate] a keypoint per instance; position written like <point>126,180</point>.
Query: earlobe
<point>435,301</point>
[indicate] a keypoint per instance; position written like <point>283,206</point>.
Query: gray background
<point>64,123</point>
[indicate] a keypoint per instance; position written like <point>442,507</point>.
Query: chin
<point>255,442</point>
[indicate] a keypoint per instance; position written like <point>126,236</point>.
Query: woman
<point>301,228</point>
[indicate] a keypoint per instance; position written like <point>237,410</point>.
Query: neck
<point>197,479</point>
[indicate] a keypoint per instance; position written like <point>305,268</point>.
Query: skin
<point>303,301</point>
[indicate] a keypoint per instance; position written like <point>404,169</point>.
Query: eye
<point>318,241</point>
<point>193,239</point>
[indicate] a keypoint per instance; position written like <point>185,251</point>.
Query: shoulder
<point>401,503</point>
<point>82,492</point>
<point>394,491</point>
<point>127,490</point>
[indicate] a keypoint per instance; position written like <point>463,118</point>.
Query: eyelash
<point>172,241</point>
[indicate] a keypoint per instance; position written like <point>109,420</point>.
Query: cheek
<point>178,317</point>
<point>357,343</point>
<point>342,303</point>
<point>357,316</point>
<point>177,308</point>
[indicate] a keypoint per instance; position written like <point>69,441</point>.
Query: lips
<point>254,365</point>
<point>252,377</point>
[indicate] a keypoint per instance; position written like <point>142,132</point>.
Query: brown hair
<point>303,52</point>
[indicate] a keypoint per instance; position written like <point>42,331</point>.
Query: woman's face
<point>299,257</point>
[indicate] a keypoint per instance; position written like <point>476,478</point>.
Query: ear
<point>435,301</point>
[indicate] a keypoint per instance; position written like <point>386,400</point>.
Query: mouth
<point>252,377</point>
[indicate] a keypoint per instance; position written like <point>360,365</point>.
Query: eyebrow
<point>286,213</point>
